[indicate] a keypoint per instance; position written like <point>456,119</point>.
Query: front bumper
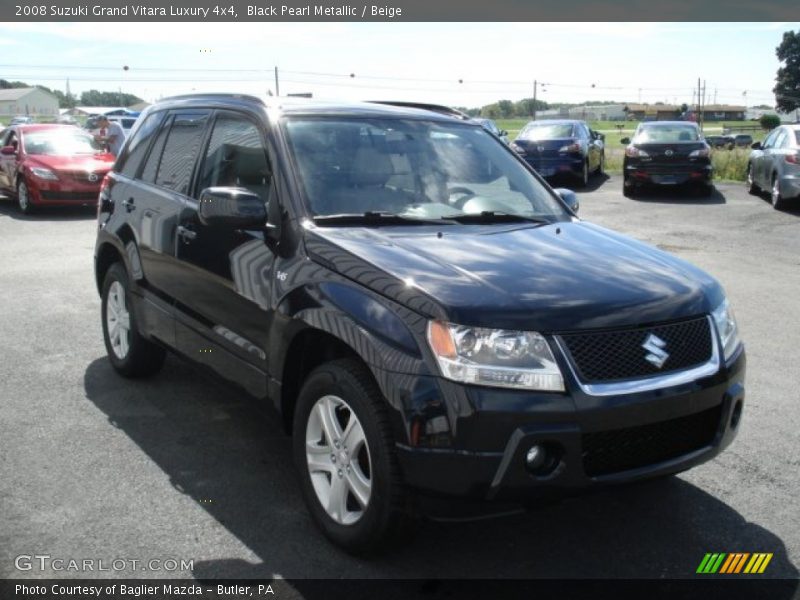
<point>490,440</point>
<point>60,193</point>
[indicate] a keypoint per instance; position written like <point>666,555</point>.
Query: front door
<point>224,274</point>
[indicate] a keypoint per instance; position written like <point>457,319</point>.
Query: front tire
<point>130,354</point>
<point>752,186</point>
<point>344,453</point>
<point>24,198</point>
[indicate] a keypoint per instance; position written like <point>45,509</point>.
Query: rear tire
<point>130,354</point>
<point>583,179</point>
<point>601,168</point>
<point>778,203</point>
<point>351,483</point>
<point>628,188</point>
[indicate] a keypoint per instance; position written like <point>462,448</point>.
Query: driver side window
<point>236,157</point>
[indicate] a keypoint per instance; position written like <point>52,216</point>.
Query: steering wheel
<point>466,194</point>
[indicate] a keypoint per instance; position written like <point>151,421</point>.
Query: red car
<point>51,165</point>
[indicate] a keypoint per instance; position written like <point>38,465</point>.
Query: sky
<point>460,64</point>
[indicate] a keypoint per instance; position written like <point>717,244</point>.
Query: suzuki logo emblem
<point>540,148</point>
<point>655,346</point>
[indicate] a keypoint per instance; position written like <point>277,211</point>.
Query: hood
<point>90,162</point>
<point>550,278</point>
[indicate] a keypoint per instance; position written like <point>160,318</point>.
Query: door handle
<point>186,234</point>
<point>129,204</point>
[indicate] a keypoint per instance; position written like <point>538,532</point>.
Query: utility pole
<point>277,88</point>
<point>535,85</point>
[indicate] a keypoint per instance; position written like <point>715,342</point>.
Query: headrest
<point>371,167</point>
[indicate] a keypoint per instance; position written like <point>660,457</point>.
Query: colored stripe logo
<point>734,563</point>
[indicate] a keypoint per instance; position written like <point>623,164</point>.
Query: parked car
<point>562,147</point>
<point>720,141</point>
<point>428,316</point>
<point>67,120</point>
<point>21,120</point>
<point>51,165</point>
<point>492,127</point>
<point>774,165</point>
<point>743,140</point>
<point>667,153</point>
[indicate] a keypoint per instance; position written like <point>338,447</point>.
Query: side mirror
<point>232,208</point>
<point>8,150</point>
<point>502,133</point>
<point>569,197</point>
<point>601,137</point>
<point>755,146</point>
<point>625,140</point>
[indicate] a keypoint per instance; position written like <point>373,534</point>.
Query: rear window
<point>547,131</point>
<point>666,134</point>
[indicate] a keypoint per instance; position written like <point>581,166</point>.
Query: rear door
<point>223,275</point>
<point>158,196</point>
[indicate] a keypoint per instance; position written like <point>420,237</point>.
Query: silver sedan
<point>774,165</point>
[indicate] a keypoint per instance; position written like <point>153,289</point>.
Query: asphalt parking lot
<point>94,466</point>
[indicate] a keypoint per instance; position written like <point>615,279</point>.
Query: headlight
<point>43,173</point>
<point>517,148</point>
<point>494,357</point>
<point>727,328</point>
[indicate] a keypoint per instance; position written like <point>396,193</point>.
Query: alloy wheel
<point>338,460</point>
<point>23,199</point>
<point>118,320</point>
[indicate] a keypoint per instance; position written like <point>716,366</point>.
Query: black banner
<point>397,10</point>
<point>374,589</point>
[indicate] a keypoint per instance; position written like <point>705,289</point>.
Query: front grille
<point>77,196</point>
<point>84,176</point>
<point>606,452</point>
<point>618,354</point>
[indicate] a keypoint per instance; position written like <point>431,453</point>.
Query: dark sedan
<point>667,153</point>
<point>556,148</point>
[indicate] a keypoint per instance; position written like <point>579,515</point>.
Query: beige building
<point>32,102</point>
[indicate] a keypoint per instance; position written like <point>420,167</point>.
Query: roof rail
<point>214,95</point>
<point>437,108</point>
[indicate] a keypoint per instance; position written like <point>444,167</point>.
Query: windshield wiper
<point>375,218</point>
<point>494,216</point>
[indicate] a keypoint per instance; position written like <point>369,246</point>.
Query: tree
<point>787,87</point>
<point>769,122</point>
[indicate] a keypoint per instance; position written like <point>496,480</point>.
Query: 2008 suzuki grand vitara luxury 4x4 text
<point>428,316</point>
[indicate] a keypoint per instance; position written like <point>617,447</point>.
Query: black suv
<point>428,316</point>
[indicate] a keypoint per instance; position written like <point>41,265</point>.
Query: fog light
<point>535,457</point>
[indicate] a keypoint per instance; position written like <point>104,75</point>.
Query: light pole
<point>124,70</point>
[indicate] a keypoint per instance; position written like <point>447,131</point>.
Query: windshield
<point>60,143</point>
<point>546,131</point>
<point>416,169</point>
<point>666,134</point>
